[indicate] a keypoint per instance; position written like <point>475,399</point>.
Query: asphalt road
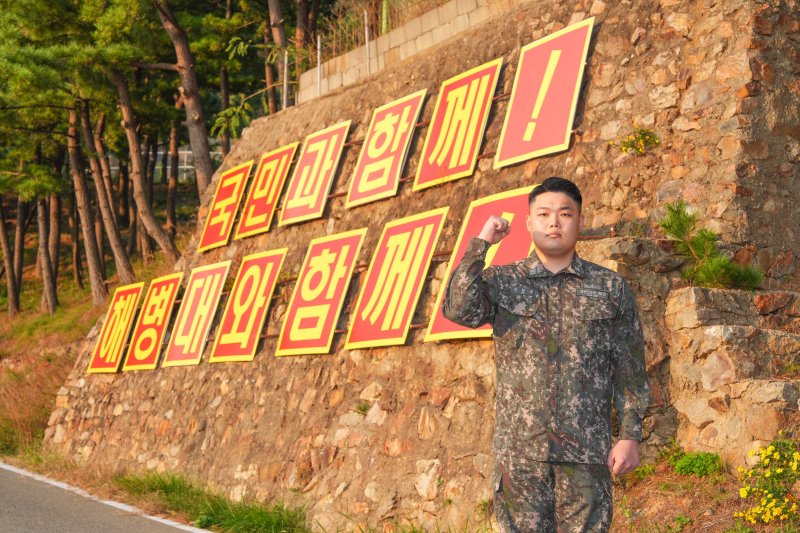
<point>30,503</point>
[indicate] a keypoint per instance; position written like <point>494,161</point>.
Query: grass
<point>37,350</point>
<point>208,509</point>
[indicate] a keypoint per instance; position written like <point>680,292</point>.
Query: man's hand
<point>623,457</point>
<point>495,229</point>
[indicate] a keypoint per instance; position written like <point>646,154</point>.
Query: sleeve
<point>467,300</point>
<point>630,382</point>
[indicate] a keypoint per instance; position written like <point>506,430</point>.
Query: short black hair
<point>557,184</point>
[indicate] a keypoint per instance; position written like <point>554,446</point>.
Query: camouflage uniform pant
<point>537,496</point>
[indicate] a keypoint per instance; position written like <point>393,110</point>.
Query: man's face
<point>554,223</point>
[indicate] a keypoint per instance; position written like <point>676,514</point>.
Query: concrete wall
<point>413,37</point>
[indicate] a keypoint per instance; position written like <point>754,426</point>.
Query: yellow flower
<point>776,455</point>
<point>778,470</point>
<point>767,473</point>
<point>743,492</point>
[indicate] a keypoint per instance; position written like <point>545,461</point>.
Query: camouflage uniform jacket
<point>566,344</point>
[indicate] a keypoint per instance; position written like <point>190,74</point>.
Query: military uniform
<point>567,344</point>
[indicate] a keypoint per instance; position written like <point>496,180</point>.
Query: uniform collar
<point>537,270</point>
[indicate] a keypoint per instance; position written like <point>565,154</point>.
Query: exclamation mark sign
<point>552,63</point>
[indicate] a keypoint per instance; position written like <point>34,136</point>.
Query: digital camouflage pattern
<point>548,496</point>
<point>566,345</point>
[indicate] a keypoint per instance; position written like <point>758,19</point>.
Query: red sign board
<point>384,152</point>
<point>393,283</point>
<point>151,326</point>
<point>313,175</point>
<point>319,294</point>
<point>457,125</point>
<point>198,308</point>
<point>246,309</point>
<point>546,87</point>
<point>266,187</point>
<point>223,209</point>
<point>107,353</point>
<point>510,205</point>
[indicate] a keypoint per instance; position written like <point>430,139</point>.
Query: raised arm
<point>467,298</point>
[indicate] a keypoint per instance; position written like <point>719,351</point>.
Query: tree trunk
<point>77,269</point>
<point>98,234</point>
<point>164,165</point>
<point>225,103</point>
<point>154,229</point>
<point>19,240</point>
<point>11,282</point>
<point>105,165</point>
<point>50,297</point>
<point>54,246</point>
<point>269,75</point>
<point>313,13</point>
<point>278,30</point>
<point>195,122</point>
<point>124,269</point>
<point>225,93</point>
<point>152,158</point>
<point>301,30</point>
<point>172,188</point>
<point>144,245</point>
<point>96,281</point>
<point>133,236</point>
<point>124,192</point>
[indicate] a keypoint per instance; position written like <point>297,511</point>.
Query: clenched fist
<point>495,229</point>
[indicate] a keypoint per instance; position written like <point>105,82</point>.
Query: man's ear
<point>529,222</point>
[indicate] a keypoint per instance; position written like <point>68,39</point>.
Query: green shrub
<point>707,266</point>
<point>699,464</point>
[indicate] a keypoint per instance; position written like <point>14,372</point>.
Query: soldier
<point>568,341</point>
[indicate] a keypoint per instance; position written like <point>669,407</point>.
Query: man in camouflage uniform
<point>568,341</point>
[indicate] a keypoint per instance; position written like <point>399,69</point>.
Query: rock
<point>680,22</point>
<point>762,25</point>
<point>483,465</point>
<point>628,251</point>
<point>770,302</point>
<point>376,415</point>
<point>667,264</point>
<point>439,396</point>
<point>605,74</point>
<point>609,130</point>
<point>371,491</point>
<point>757,149</point>
<point>427,480</point>
<point>729,147</point>
<point>395,447</point>
<point>371,392</point>
<point>663,97</point>
<point>683,124</point>
<point>426,426</point>
<point>717,370</point>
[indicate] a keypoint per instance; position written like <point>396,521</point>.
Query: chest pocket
<point>595,320</point>
<point>518,312</point>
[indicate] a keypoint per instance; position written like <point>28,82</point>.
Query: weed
<point>363,407</point>
<point>207,509</point>
<point>642,472</point>
<point>639,142</point>
<point>768,484</point>
<point>699,463</point>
